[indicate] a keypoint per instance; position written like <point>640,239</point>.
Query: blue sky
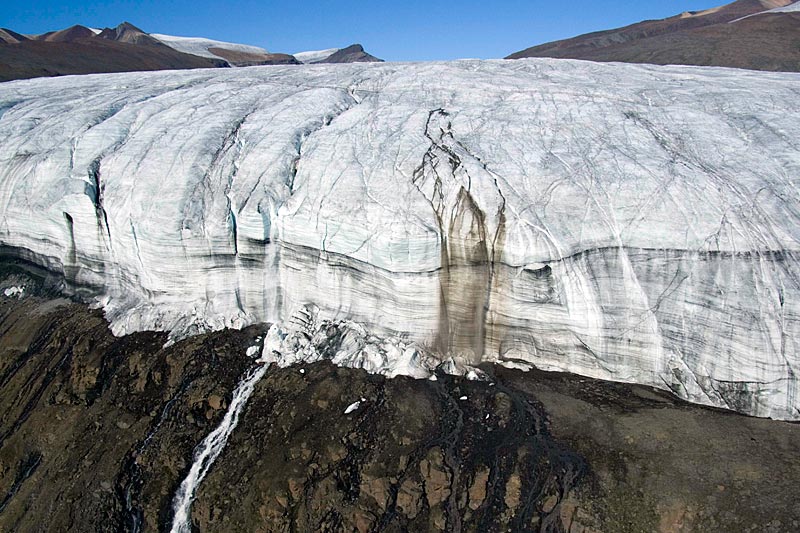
<point>397,31</point>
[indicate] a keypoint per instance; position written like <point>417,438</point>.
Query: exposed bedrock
<point>624,222</point>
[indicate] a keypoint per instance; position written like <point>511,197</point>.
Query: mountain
<point>70,34</point>
<point>235,54</point>
<point>83,50</point>
<point>128,33</point>
<point>11,37</point>
<point>623,222</point>
<point>723,36</point>
<point>792,8</point>
<point>315,56</point>
<point>32,59</point>
<point>351,54</point>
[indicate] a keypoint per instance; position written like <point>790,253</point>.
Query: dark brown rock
<point>33,59</point>
<point>708,38</point>
<point>73,33</point>
<point>245,59</point>
<point>351,54</point>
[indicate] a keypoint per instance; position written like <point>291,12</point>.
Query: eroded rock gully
<point>97,432</point>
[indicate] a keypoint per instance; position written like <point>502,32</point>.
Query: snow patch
<point>352,407</point>
<point>253,350</point>
<point>476,374</point>
<point>315,56</point>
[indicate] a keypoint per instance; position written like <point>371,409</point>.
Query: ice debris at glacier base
<point>14,291</point>
<point>353,406</point>
<point>252,351</point>
<point>307,338</point>
<point>624,222</point>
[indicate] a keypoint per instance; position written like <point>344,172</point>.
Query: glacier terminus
<point>625,222</point>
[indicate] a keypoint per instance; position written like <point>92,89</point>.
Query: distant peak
<point>9,36</point>
<point>73,33</point>
<point>127,26</point>
<point>352,54</point>
<point>128,33</point>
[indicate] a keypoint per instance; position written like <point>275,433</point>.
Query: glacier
<point>200,46</point>
<point>624,222</point>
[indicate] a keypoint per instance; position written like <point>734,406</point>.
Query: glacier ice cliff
<point>624,222</point>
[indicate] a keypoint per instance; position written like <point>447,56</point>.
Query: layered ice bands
<point>624,222</point>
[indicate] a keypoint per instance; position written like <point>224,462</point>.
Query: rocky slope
<point>630,223</point>
<point>99,431</point>
<point>79,50</point>
<point>726,36</point>
<point>10,37</point>
<point>352,54</point>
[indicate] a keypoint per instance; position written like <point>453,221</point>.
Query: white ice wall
<point>625,222</point>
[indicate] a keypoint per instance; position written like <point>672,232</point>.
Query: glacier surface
<point>624,222</point>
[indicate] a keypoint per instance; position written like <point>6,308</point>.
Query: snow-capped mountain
<point>230,54</point>
<point>315,56</point>
<point>235,54</point>
<point>632,223</point>
<point>202,47</point>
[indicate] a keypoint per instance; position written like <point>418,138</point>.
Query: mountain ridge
<point>126,47</point>
<point>702,38</point>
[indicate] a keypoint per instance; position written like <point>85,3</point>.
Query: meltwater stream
<point>208,450</point>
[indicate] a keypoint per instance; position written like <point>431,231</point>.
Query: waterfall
<point>207,451</point>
